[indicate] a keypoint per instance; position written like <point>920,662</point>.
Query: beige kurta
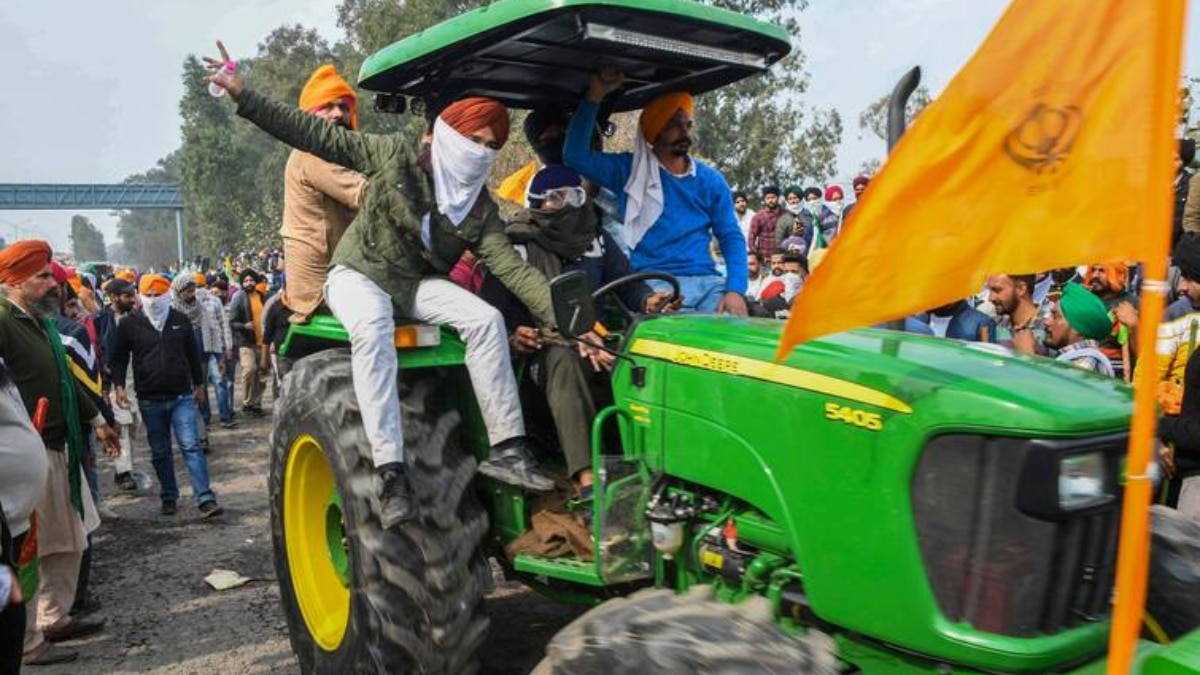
<point>319,201</point>
<point>1191,210</point>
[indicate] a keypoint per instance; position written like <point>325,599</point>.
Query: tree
<point>87,241</point>
<point>148,236</point>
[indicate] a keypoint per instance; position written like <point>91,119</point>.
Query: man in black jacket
<point>169,378</point>
<point>245,320</point>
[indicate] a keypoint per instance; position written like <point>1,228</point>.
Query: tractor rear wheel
<point>658,631</point>
<point>360,598</point>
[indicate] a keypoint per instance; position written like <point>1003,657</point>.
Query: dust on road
<point>162,617</point>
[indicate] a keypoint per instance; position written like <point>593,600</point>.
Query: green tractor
<point>878,502</point>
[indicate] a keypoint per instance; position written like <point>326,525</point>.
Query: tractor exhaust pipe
<point>898,105</point>
<point>896,123</point>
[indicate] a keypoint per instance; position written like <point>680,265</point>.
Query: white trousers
<point>130,420</point>
<point>367,313</point>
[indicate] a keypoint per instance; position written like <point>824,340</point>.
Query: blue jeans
<point>212,361</point>
<point>179,415</point>
<point>700,293</point>
<point>225,389</point>
<point>205,409</point>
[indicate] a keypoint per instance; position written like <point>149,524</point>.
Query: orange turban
<point>1116,274</point>
<point>476,112</point>
<point>658,112</point>
<point>326,86</point>
<point>154,283</point>
<point>22,260</point>
<point>127,274</point>
<point>200,279</point>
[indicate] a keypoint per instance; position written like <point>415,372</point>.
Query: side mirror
<point>572,300</point>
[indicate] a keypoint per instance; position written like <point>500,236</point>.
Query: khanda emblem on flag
<point>1044,138</point>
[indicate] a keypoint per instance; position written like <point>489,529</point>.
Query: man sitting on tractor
<point>674,205</point>
<point>425,205</point>
<point>558,233</point>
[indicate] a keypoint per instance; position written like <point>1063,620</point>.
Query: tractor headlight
<point>1061,480</point>
<point>1083,481</point>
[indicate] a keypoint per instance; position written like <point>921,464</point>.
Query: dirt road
<point>163,618</point>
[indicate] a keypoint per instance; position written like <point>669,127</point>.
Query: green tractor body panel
<point>324,332</point>
<point>718,412</point>
<point>533,52</point>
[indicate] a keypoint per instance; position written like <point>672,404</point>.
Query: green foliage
<point>874,118</point>
<point>87,241</point>
<point>148,237</point>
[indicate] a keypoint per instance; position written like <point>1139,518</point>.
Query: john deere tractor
<point>878,502</point>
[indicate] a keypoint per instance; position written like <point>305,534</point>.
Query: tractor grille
<point>994,567</point>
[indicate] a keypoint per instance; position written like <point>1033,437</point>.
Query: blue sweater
<point>696,208</point>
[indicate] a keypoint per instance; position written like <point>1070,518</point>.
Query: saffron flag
<point>513,187</point>
<point>1051,148</point>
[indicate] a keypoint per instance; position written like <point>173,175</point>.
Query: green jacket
<point>30,359</point>
<point>384,241</point>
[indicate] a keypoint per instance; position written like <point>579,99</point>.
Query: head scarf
<point>771,189</point>
<point>536,123</point>
<point>658,112</point>
<point>861,180</point>
<point>1085,312</point>
<point>157,308</point>
<point>794,190</point>
<point>460,166</point>
<point>551,178</point>
<point>192,310</point>
<point>119,287</point>
<point>127,274</point>
<point>1115,274</point>
<point>201,280</point>
<point>812,192</point>
<point>326,86</point>
<point>154,283</point>
<point>61,274</point>
<point>474,113</point>
<point>23,259</point>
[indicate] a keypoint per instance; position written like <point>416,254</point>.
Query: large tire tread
<point>418,587</point>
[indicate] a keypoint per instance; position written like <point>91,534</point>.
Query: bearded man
<point>426,205</point>
<point>31,347</point>
<point>674,204</point>
<point>320,198</point>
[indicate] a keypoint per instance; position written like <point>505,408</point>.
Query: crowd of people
<point>377,227</point>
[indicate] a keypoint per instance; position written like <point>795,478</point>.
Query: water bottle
<point>229,68</point>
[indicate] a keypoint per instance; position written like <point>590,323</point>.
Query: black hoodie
<point>166,365</point>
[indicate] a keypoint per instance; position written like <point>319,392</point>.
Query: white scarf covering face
<point>157,309</point>
<point>460,167</point>
<point>643,192</point>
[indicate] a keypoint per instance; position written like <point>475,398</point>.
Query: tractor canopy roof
<point>528,53</point>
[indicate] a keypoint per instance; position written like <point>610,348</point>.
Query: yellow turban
<point>658,112</point>
<point>154,283</point>
<point>326,86</point>
<point>200,279</point>
<point>127,274</point>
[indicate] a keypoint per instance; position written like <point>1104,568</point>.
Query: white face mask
<point>794,209</point>
<point>157,309</point>
<point>460,167</point>
<point>836,207</point>
<point>792,282</point>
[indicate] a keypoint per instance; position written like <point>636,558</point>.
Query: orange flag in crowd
<point>1051,148</point>
<point>513,188</point>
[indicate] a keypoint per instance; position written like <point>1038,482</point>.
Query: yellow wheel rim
<point>314,537</point>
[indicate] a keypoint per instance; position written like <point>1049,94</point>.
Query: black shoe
<point>169,508</point>
<point>125,481</point>
<point>204,445</point>
<point>90,605</point>
<point>395,497</point>
<point>513,463</point>
<point>211,509</point>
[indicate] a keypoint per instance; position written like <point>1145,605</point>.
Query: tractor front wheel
<point>658,631</point>
<point>360,598</point>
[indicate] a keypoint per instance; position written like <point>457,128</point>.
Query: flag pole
<point>1133,554</point>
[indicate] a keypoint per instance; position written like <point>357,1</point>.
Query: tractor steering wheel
<point>612,286</point>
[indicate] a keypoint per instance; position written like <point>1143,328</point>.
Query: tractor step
<point>565,569</point>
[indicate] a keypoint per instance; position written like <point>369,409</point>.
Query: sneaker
<point>169,508</point>
<point>515,465</point>
<point>395,496</point>
<point>125,481</point>
<point>210,509</point>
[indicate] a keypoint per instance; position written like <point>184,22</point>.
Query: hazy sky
<point>94,87</point>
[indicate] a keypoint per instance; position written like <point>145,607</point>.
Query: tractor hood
<point>981,386</point>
